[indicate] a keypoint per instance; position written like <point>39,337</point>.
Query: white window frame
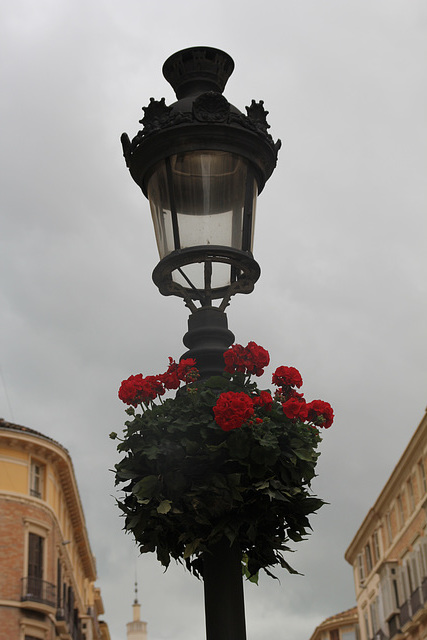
<point>361,569</point>
<point>37,478</point>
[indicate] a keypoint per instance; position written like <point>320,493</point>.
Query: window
<point>422,474</point>
<point>35,555</point>
<point>376,545</point>
<point>58,584</point>
<point>422,555</point>
<point>411,497</point>
<point>400,511</point>
<point>366,619</point>
<point>334,634</point>
<point>360,568</point>
<point>388,589</point>
<point>36,479</point>
<point>396,593</point>
<point>389,529</point>
<point>35,565</point>
<point>409,575</point>
<point>373,608</point>
<point>414,570</point>
<point>368,558</point>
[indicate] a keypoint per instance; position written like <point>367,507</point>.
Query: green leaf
<point>164,507</point>
<point>264,484</point>
<point>304,455</point>
<point>190,548</point>
<point>217,382</point>
<point>146,488</point>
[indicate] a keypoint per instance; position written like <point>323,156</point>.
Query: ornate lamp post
<point>202,163</point>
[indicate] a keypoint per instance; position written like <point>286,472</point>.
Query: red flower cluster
<point>294,405</point>
<point>251,359</point>
<point>317,412</point>
<point>320,413</point>
<point>232,410</point>
<point>295,408</point>
<point>287,377</point>
<point>184,371</point>
<point>137,389</point>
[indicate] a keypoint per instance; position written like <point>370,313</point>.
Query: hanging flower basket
<point>223,459</point>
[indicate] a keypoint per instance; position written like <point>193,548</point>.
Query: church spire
<point>137,629</point>
<point>136,606</point>
<point>136,589</point>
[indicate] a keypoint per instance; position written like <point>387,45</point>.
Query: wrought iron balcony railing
<point>37,590</point>
<point>416,602</point>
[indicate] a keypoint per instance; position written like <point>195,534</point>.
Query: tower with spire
<point>137,629</point>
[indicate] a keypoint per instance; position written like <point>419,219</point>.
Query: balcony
<point>37,590</point>
<point>394,625</point>
<point>416,602</point>
<point>405,613</point>
<point>424,589</point>
<point>67,621</point>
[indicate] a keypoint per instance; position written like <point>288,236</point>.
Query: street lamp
<point>202,163</point>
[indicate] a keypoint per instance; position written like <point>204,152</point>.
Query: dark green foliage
<point>188,483</point>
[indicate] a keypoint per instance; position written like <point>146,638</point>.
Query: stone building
<point>342,626</point>
<point>47,570</point>
<point>389,552</point>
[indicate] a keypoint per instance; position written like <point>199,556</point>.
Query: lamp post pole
<point>202,163</point>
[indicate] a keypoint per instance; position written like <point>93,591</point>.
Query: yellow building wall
<point>14,467</point>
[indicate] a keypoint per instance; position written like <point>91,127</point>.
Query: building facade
<point>47,570</point>
<point>389,552</point>
<point>342,626</point>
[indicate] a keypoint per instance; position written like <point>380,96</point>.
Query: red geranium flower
<point>137,389</point>
<point>250,359</point>
<point>232,410</point>
<point>263,400</point>
<point>187,371</point>
<point>295,408</point>
<point>287,377</point>
<point>170,378</point>
<point>256,358</point>
<point>320,413</point>
<point>234,359</point>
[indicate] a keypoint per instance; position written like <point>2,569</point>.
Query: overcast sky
<point>340,236</point>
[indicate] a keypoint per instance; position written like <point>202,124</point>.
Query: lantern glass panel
<point>198,199</point>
